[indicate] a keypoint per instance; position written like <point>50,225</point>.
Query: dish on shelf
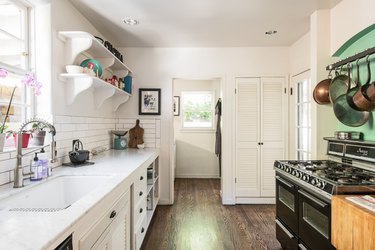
<point>92,65</point>
<point>73,69</point>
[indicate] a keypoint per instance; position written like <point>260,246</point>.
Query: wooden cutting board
<point>136,135</point>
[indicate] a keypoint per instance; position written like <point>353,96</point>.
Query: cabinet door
<point>247,137</point>
<point>273,118</point>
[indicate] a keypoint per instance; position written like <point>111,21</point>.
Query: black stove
<point>326,175</point>
<point>304,189</point>
<point>334,177</point>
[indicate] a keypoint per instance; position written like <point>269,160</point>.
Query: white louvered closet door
<point>247,137</point>
<point>260,134</point>
<point>273,118</point>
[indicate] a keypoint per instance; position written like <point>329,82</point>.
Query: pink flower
<point>3,73</point>
<point>31,81</point>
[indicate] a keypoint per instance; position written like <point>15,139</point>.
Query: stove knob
<point>287,169</point>
<point>281,167</point>
<point>313,182</point>
<point>298,174</point>
<point>294,172</point>
<point>305,178</point>
<point>321,184</point>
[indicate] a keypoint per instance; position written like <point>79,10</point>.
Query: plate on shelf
<point>93,65</point>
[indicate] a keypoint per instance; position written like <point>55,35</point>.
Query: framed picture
<point>149,101</point>
<point>176,105</point>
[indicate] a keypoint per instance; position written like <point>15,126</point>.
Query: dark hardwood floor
<point>198,221</point>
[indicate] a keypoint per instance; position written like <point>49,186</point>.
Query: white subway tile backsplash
<point>92,131</point>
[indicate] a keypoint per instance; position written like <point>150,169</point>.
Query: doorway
<point>195,127</point>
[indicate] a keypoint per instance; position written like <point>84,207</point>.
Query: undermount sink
<point>54,194</point>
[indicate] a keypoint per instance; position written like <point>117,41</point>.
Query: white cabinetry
<point>112,230</point>
<point>260,136</point>
<point>145,199</point>
<point>79,43</point>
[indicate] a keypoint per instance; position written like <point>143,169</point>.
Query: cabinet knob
<point>140,210</point>
<point>113,214</point>
<point>142,230</point>
<point>141,178</point>
<point>140,193</point>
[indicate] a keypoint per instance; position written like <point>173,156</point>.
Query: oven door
<point>314,221</point>
<point>287,203</point>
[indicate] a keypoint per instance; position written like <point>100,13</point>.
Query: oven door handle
<point>315,200</point>
<point>291,236</point>
<point>284,182</point>
<point>302,247</point>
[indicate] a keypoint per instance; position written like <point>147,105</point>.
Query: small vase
<point>2,142</point>
<point>25,140</point>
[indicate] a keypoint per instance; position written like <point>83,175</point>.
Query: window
<point>303,119</point>
<point>14,39</point>
<point>197,109</point>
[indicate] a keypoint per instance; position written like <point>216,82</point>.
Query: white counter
<point>38,230</point>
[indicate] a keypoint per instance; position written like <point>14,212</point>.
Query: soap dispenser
<point>36,169</point>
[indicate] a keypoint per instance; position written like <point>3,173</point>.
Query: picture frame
<point>176,106</point>
<point>149,101</point>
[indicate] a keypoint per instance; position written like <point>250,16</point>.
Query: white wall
<point>195,149</point>
<point>299,55</point>
<point>348,18</point>
<point>157,67</point>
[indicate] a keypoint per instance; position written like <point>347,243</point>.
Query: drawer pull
<point>142,230</point>
<point>113,214</point>
<point>140,193</point>
<point>141,178</point>
<point>140,210</point>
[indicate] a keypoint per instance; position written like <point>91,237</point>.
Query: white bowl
<point>141,146</point>
<point>74,69</point>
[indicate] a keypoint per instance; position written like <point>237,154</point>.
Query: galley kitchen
<point>246,124</point>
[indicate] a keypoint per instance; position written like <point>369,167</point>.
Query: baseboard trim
<point>256,200</point>
<point>197,176</point>
<point>164,202</point>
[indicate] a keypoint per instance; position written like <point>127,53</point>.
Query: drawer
<point>140,189</point>
<point>140,233</point>
<point>89,239</point>
<point>140,211</point>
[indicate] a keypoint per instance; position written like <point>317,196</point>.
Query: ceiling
<point>202,23</point>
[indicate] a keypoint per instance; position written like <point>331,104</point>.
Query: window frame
<point>28,26</point>
<point>198,129</point>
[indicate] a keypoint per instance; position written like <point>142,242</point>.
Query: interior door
<point>247,137</point>
<point>300,117</point>
<point>273,119</point>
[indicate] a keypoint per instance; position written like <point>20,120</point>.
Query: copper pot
<point>361,99</point>
<point>321,91</point>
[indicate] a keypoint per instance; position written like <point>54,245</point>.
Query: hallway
<point>198,221</point>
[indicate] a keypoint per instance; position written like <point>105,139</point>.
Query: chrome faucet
<point>18,171</point>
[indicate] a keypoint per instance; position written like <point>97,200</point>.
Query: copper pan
<point>321,91</point>
<point>360,99</point>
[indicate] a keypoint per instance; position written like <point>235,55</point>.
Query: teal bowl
<point>94,64</point>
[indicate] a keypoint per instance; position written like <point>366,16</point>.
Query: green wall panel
<point>360,42</point>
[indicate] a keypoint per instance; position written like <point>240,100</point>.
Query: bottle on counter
<point>36,169</point>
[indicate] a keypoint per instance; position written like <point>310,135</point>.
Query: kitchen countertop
<point>38,230</point>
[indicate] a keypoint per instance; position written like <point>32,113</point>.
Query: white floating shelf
<point>81,41</point>
<point>77,83</point>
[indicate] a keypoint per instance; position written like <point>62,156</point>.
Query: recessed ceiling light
<point>131,21</point>
<point>271,32</point>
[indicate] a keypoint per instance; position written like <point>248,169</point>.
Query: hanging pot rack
<point>351,59</point>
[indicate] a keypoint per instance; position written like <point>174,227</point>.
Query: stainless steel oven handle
<point>302,247</point>
<point>283,181</point>
<point>291,236</point>
<point>315,200</point>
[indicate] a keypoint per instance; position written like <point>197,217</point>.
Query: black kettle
<point>78,155</point>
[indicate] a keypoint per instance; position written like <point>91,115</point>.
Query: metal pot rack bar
<point>351,59</point>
